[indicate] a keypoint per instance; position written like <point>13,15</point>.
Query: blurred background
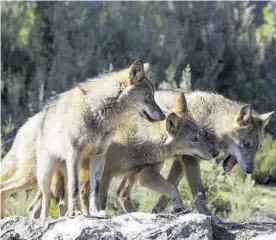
<point>225,47</point>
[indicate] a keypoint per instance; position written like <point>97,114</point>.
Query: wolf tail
<point>8,166</point>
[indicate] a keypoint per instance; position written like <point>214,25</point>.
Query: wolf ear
<point>137,72</point>
<point>172,123</point>
<point>265,117</point>
<point>244,115</point>
<point>180,104</point>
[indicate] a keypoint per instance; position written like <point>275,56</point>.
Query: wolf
<point>139,148</point>
<point>85,119</point>
<point>234,128</point>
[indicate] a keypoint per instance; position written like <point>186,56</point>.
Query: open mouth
<point>145,115</point>
<point>229,162</point>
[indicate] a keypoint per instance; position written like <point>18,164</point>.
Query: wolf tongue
<point>230,164</point>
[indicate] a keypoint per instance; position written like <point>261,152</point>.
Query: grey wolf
<point>139,148</point>
<point>85,119</point>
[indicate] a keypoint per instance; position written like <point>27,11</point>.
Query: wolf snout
<point>162,116</point>
<point>157,116</point>
<point>249,168</point>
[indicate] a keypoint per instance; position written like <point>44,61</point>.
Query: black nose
<point>215,153</point>
<point>162,116</point>
<point>249,169</point>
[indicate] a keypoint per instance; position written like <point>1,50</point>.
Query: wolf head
<point>245,137</point>
<point>187,134</point>
<point>140,92</point>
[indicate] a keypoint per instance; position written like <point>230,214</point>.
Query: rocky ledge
<point>134,226</point>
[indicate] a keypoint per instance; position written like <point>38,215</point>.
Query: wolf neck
<point>105,96</point>
<point>155,136</point>
<point>214,112</point>
<point>222,119</point>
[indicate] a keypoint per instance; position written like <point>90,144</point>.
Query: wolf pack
<point>117,124</point>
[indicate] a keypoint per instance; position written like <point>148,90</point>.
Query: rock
<point>242,231</point>
<point>263,216</point>
<point>130,226</point>
<point>271,236</point>
<point>152,226</point>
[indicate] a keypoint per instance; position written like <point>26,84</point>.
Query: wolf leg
<point>174,177</point>
<point>59,188</point>
<point>72,164</point>
<point>123,193</point>
<point>63,202</point>
<point>44,182</point>
<point>97,163</point>
<point>84,193</point>
<point>105,182</point>
<point>192,171</point>
<point>148,177</point>
<point>34,209</point>
<point>96,171</point>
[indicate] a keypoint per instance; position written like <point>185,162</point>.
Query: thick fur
<point>140,147</point>
<point>235,128</point>
<point>188,165</point>
<point>86,117</point>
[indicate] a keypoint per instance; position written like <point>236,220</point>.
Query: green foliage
<point>265,164</point>
<point>18,203</point>
<point>54,209</point>
<point>6,130</point>
<point>8,127</point>
<point>146,200</point>
<point>267,31</point>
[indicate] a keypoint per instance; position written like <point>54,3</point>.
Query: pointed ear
<point>265,117</point>
<point>137,72</point>
<point>146,67</point>
<point>244,115</point>
<point>180,104</point>
<point>172,123</point>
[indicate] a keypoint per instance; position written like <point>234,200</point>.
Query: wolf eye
<point>148,96</point>
<point>246,144</point>
<point>194,139</point>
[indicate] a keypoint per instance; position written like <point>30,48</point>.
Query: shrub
<point>265,162</point>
